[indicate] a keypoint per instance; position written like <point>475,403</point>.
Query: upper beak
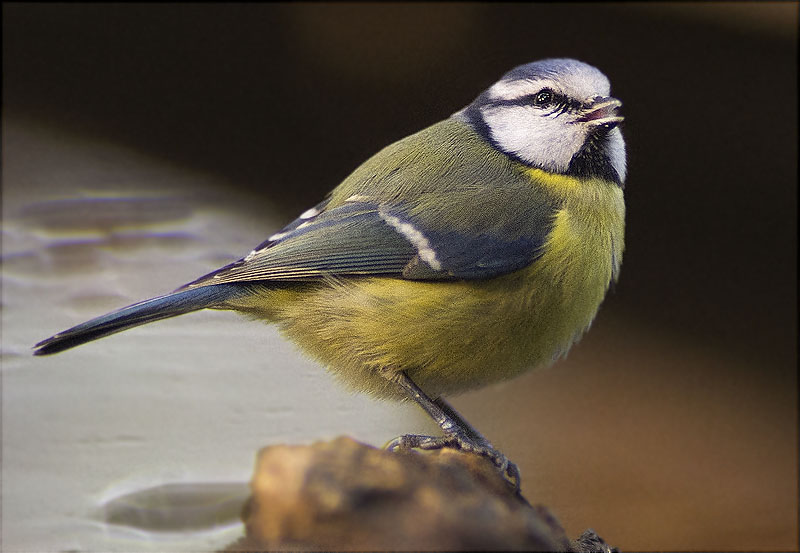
<point>602,112</point>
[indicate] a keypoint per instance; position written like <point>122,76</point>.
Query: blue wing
<point>388,239</point>
<point>439,204</point>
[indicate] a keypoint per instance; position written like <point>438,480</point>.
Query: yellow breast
<point>454,336</point>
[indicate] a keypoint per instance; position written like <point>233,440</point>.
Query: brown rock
<point>344,495</point>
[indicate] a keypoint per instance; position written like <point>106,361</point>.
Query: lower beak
<point>602,113</point>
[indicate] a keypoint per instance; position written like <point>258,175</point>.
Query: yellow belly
<point>455,336</point>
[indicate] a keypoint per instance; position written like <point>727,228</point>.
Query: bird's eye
<point>544,97</point>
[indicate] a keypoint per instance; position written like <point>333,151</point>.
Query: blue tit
<point>459,256</point>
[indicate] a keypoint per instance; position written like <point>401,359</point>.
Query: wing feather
<point>440,204</point>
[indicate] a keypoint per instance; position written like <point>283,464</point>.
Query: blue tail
<point>162,307</point>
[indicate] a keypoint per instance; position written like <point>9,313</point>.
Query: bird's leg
<point>458,433</point>
<point>463,424</point>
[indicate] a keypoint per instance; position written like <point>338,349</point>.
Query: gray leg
<point>467,427</point>
<point>458,433</point>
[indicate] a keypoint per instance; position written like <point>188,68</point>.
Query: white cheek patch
<point>417,239</point>
<point>541,140</point>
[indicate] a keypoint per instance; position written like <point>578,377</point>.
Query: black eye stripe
<point>560,101</point>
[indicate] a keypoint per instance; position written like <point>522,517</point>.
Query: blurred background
<point>144,145</point>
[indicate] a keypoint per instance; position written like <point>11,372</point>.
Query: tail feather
<point>154,309</point>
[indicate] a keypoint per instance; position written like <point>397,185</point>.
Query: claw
<point>419,441</point>
<point>457,441</point>
<point>458,433</point>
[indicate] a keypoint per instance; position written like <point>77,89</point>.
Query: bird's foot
<point>460,441</point>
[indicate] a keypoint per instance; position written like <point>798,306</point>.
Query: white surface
<point>190,399</point>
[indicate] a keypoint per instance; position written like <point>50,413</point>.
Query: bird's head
<point>556,115</point>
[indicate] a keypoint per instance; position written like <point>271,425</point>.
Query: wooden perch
<point>344,495</point>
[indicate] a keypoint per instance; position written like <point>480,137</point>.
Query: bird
<point>462,255</point>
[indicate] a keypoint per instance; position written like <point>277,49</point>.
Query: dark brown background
<point>691,375</point>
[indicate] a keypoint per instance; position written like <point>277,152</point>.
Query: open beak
<point>602,112</point>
